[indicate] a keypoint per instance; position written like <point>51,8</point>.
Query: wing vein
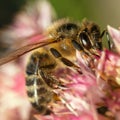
<point>21,51</point>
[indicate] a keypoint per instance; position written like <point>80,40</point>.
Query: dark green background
<point>8,9</point>
<point>103,12</point>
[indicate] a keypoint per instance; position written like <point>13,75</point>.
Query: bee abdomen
<point>42,109</point>
<point>38,94</point>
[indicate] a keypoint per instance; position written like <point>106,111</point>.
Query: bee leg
<point>64,60</point>
<point>44,67</point>
<point>88,56</point>
<point>78,47</point>
<point>51,81</point>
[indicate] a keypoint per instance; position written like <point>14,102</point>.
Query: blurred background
<point>23,18</point>
<point>103,12</point>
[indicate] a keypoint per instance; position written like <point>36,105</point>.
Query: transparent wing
<point>25,49</point>
<point>9,44</point>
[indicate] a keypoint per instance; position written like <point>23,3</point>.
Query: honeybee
<point>58,49</point>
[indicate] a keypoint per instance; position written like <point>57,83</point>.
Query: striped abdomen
<point>39,93</point>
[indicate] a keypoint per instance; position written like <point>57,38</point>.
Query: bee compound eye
<point>85,40</point>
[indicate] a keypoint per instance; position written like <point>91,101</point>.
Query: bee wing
<point>8,45</point>
<point>27,40</point>
<point>25,49</point>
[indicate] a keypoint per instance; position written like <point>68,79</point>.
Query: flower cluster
<point>14,103</point>
<point>94,93</point>
<point>90,92</point>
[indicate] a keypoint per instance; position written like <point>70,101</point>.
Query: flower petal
<point>115,34</point>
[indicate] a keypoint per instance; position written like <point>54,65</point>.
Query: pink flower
<point>90,92</point>
<point>94,94</point>
<point>14,103</point>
